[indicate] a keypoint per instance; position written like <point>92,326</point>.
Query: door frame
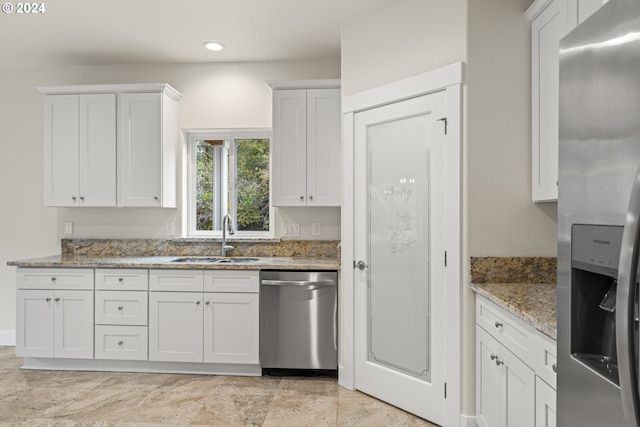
<point>450,79</point>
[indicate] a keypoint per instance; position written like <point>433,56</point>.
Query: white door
<point>34,324</point>
<point>175,326</point>
<point>73,324</point>
<point>139,149</point>
<point>231,328</point>
<point>400,223</point>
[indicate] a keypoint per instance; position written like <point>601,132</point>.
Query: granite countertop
<point>535,303</point>
<point>263,263</point>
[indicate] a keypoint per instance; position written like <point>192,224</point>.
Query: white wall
<point>215,95</point>
<point>408,37</point>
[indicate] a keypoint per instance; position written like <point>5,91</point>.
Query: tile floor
<point>107,399</point>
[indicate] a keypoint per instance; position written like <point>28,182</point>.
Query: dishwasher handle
<point>298,283</point>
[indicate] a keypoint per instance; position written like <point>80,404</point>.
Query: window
<point>229,174</point>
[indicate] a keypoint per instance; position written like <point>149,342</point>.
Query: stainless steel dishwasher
<point>298,320</point>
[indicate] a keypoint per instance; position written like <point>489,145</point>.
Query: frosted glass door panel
<point>398,197</point>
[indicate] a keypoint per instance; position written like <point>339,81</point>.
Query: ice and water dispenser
<point>595,253</point>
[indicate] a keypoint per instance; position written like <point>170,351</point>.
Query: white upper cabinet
<point>84,128</point>
<point>306,164</point>
<point>551,20</point>
<point>80,150</point>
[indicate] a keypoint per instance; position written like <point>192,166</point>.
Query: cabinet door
<point>488,383</point>
<point>61,146</point>
<point>324,150</point>
<point>73,324</point>
<point>139,149</point>
<point>518,391</point>
<point>34,323</point>
<point>231,328</point>
<point>97,150</point>
<point>289,161</point>
<point>547,29</point>
<point>121,307</point>
<point>545,404</point>
<point>586,8</point>
<point>175,326</point>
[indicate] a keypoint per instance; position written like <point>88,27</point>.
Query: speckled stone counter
<point>535,303</point>
<point>271,254</point>
<point>524,286</point>
<point>262,263</point>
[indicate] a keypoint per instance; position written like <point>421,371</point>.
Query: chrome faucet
<point>227,225</point>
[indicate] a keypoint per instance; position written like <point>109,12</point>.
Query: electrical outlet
<point>316,229</point>
<point>68,227</point>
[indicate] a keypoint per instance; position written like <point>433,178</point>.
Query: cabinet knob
<point>156,198</point>
<point>198,302</point>
<point>53,279</point>
<point>311,198</point>
<point>73,198</point>
<point>57,299</point>
<point>82,198</point>
<point>555,368</point>
<point>301,198</point>
<point>120,342</point>
<point>498,324</point>
<point>120,279</point>
<point>208,302</point>
<point>120,308</point>
<point>499,362</point>
<point>48,299</point>
<point>494,357</point>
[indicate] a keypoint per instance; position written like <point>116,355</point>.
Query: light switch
<point>290,230</point>
<point>68,227</point>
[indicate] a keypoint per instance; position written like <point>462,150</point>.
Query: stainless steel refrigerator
<point>598,212</point>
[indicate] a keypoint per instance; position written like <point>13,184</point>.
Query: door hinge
<point>446,122</point>
<point>445,390</point>
<point>445,258</point>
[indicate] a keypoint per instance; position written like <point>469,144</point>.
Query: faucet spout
<point>227,226</point>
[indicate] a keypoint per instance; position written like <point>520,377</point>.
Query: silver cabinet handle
<point>208,302</point>
<point>156,198</point>
<point>494,357</point>
<point>120,279</point>
<point>48,299</point>
<point>120,308</point>
<point>73,198</point>
<point>57,299</point>
<point>555,368</point>
<point>82,198</point>
<point>198,302</point>
<point>298,282</point>
<point>498,324</point>
<point>625,306</point>
<point>311,198</point>
<point>301,198</point>
<point>499,362</point>
<point>120,342</point>
<point>53,279</point>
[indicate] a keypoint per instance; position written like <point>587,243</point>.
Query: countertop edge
<point>165,262</point>
<point>539,324</point>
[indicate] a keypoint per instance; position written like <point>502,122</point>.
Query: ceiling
<point>105,32</point>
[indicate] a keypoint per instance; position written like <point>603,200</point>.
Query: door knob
<point>360,265</point>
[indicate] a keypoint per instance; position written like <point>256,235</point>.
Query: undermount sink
<point>216,260</point>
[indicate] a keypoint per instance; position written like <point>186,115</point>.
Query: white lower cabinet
<point>198,326</point>
<point>54,313</point>
<point>55,323</point>
<point>512,358</point>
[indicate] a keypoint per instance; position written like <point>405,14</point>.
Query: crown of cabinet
<point>110,145</point>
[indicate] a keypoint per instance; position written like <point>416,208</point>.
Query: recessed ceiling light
<point>215,46</point>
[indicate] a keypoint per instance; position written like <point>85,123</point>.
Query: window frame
<point>229,136</point>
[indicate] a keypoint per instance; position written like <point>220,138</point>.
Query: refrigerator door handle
<point>625,308</point>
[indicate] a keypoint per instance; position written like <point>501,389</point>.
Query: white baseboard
<point>8,338</point>
<point>468,421</point>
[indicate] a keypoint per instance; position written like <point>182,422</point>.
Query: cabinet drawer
<point>508,329</point>
<point>545,359</point>
<point>55,278</point>
<point>176,280</point>
<point>122,279</point>
<point>121,307</point>
<point>231,281</point>
<point>121,342</point>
